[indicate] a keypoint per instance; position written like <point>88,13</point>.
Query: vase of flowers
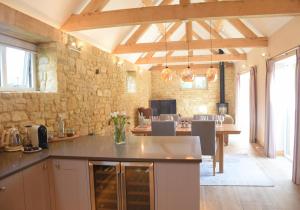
<point>120,120</point>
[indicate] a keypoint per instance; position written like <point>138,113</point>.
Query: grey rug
<point>240,170</point>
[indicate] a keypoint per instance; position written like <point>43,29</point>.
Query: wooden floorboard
<point>284,196</point>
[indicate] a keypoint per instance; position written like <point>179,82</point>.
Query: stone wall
<point>191,102</point>
<point>83,97</point>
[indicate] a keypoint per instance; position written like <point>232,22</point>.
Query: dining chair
<point>206,130</point>
<point>228,119</point>
<point>163,128</point>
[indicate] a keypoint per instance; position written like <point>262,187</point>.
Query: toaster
<point>38,136</point>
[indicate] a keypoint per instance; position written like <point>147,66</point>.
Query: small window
<point>200,82</point>
<point>16,69</point>
<point>131,82</point>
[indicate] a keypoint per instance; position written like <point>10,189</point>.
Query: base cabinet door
<point>177,186</point>
<point>70,184</point>
<point>36,187</point>
<point>12,193</point>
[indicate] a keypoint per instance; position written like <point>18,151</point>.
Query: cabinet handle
<point>57,165</point>
<point>2,189</point>
<point>44,166</point>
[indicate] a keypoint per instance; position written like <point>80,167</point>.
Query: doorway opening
<point>243,106</point>
<point>282,99</point>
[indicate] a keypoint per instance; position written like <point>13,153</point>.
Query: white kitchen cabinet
<point>70,184</point>
<point>36,187</point>
<point>177,186</point>
<point>12,193</point>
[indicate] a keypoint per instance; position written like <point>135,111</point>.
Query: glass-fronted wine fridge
<point>121,185</point>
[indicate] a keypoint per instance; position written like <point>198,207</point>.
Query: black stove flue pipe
<point>222,79</point>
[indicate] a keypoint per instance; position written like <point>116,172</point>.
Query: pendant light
<point>187,74</point>
<point>211,72</point>
<point>167,74</point>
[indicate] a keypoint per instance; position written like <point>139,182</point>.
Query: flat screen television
<point>167,106</point>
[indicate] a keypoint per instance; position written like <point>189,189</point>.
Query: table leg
<point>221,153</point>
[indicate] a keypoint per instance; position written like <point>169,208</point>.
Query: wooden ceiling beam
<point>184,2</point>
<point>169,33</point>
<point>195,44</point>
<point>242,28</point>
<point>143,28</point>
<point>189,35</point>
<point>215,34</point>
<point>195,58</point>
<point>94,6</point>
<point>197,36</point>
<point>171,13</point>
<point>193,67</point>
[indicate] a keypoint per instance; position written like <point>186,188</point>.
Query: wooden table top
<point>220,130</point>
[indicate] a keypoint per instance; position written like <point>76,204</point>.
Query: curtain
<point>253,106</point>
<point>296,159</point>
<point>27,72</point>
<point>270,147</point>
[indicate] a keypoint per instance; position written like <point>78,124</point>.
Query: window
<point>283,105</point>
<point>131,82</point>
<point>16,69</point>
<point>200,82</point>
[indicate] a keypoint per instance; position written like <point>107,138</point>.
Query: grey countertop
<point>137,148</point>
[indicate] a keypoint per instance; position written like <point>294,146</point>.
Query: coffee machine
<point>38,136</point>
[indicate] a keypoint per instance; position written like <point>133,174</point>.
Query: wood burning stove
<point>222,106</point>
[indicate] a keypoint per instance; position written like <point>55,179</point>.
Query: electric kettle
<point>11,140</point>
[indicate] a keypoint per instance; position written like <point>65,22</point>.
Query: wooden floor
<point>284,196</point>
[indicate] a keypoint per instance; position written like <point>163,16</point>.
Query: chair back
<point>206,130</point>
<point>174,117</point>
<point>147,112</point>
<point>228,119</point>
<point>204,117</point>
<point>163,128</point>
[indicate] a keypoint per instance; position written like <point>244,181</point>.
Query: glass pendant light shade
<point>167,74</point>
<point>187,75</point>
<point>212,74</point>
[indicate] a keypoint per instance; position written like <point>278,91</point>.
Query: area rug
<point>239,170</point>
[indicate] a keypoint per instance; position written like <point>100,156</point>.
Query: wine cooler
<point>121,185</point>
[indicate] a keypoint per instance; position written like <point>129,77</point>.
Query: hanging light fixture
<point>167,74</point>
<point>187,74</point>
<point>211,72</point>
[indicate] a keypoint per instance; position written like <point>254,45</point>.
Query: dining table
<point>221,132</point>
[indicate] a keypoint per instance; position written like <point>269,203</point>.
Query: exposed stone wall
<point>83,97</point>
<point>191,102</point>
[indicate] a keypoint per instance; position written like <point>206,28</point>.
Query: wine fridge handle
<point>119,190</point>
<point>123,188</point>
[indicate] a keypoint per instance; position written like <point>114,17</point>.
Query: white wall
<point>284,39</point>
<point>255,58</point>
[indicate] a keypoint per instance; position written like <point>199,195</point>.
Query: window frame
<point>131,75</point>
<point>3,72</point>
<point>194,85</point>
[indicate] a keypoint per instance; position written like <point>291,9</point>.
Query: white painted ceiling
<point>56,12</point>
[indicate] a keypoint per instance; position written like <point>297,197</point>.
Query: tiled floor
<point>284,196</point>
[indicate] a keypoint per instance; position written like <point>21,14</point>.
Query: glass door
<point>283,105</point>
<point>104,183</point>
<point>137,186</point>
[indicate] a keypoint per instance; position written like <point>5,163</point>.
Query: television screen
<point>163,107</point>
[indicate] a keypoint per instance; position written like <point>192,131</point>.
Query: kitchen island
<point>147,172</point>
